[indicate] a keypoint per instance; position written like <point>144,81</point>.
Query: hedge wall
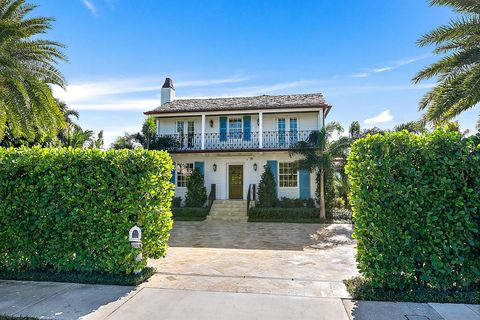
<point>67,210</point>
<point>416,203</point>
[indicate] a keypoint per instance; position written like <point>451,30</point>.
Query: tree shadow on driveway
<point>259,235</point>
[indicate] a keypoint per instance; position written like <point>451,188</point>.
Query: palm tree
<point>74,136</point>
<point>67,112</point>
<point>458,85</point>
<point>27,69</point>
<point>319,154</point>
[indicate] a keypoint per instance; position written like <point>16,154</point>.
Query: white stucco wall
<point>223,160</point>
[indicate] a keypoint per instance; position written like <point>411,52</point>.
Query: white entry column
<point>260,130</point>
<point>203,131</point>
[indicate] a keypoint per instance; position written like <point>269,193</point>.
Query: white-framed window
<point>235,128</point>
<point>184,170</point>
<point>287,174</point>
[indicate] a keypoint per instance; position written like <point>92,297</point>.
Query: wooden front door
<point>235,182</point>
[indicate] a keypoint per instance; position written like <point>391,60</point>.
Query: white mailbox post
<point>135,238</point>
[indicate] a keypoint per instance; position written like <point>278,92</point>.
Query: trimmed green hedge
<point>360,289</point>
<point>70,210</point>
<point>416,203</point>
<point>189,214</point>
<point>131,279</point>
<point>283,214</point>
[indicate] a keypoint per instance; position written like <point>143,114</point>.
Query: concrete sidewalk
<point>49,300</point>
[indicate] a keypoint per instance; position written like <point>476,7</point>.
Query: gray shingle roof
<point>314,100</point>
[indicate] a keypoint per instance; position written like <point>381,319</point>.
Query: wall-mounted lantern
<point>135,238</point>
<point>215,167</point>
<point>255,167</point>
<point>211,123</point>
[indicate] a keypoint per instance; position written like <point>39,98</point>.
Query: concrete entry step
<point>228,210</point>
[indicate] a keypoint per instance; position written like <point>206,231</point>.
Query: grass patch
<point>361,289</point>
<point>189,214</point>
<point>16,318</point>
<point>80,277</point>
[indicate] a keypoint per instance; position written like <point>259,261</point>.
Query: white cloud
<point>382,117</point>
<point>91,7</point>
<point>360,75</point>
<point>391,67</point>
<point>378,70</point>
<point>98,90</point>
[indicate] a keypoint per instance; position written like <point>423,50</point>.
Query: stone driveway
<point>308,260</point>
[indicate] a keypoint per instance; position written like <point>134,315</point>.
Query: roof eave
<point>323,106</point>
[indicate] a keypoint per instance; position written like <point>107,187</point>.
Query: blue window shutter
<point>223,128</point>
<point>304,177</point>
<point>200,165</point>
<point>247,128</point>
<point>274,167</point>
<point>172,179</point>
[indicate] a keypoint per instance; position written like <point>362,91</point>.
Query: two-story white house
<point>231,139</point>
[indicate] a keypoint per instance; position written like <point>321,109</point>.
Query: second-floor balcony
<point>235,141</point>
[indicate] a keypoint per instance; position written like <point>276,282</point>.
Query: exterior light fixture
<point>255,167</point>
<point>215,167</point>
<point>211,123</point>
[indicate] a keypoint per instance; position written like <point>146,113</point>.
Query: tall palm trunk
<point>322,194</point>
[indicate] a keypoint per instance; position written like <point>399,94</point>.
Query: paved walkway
<point>231,271</point>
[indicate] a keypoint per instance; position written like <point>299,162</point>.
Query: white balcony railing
<point>234,141</point>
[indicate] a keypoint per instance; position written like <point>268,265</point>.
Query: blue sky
<point>360,54</point>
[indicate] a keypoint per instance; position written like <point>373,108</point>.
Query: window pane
<point>235,128</point>
<point>287,172</point>
<point>184,170</point>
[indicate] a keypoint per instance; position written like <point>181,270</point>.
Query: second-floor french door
<point>190,134</point>
<point>293,130</point>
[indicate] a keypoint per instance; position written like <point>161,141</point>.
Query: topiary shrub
<point>70,210</point>
<point>266,188</point>
<point>196,195</point>
<point>416,203</point>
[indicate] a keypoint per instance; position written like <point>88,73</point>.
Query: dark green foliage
<point>266,188</point>
<point>16,318</point>
<point>196,192</point>
<point>147,139</point>
<point>176,202</point>
<point>189,214</point>
<point>283,214</point>
<point>130,279</point>
<point>361,289</point>
<point>70,210</point>
<point>416,203</point>
<point>295,203</point>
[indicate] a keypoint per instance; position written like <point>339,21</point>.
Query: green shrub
<point>70,210</point>
<point>259,213</point>
<point>416,203</point>
<point>131,279</point>
<point>266,188</point>
<point>361,289</point>
<point>189,214</point>
<point>176,202</point>
<point>285,202</point>
<point>196,192</point>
